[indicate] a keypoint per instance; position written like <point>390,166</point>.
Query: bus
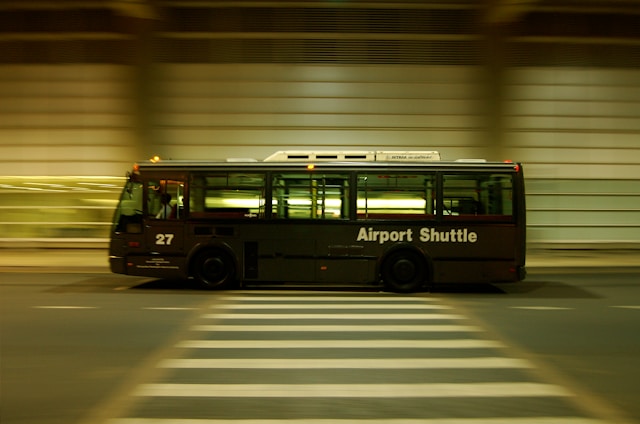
<point>402,221</point>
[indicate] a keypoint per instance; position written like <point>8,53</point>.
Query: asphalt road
<point>95,347</point>
<point>583,327</point>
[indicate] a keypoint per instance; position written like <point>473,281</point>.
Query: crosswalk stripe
<point>426,390</point>
<point>337,314</point>
<point>167,308</point>
<point>339,328</point>
<point>328,298</point>
<point>400,344</point>
<point>328,316</point>
<point>348,363</point>
<point>376,306</point>
<point>542,308</point>
<point>490,420</point>
<point>64,307</point>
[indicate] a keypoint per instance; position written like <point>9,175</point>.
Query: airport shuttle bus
<point>402,220</point>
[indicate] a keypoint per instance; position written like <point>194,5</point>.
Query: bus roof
<point>292,159</point>
<point>192,165</point>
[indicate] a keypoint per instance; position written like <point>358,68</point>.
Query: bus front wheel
<point>404,271</point>
<point>214,269</point>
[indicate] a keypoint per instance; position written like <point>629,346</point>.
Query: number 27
<point>164,239</point>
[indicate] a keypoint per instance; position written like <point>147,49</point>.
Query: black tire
<point>404,271</point>
<point>214,269</point>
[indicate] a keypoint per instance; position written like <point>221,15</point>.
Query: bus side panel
<point>494,271</point>
<point>135,261</point>
<point>458,252</point>
<point>285,269</point>
<point>159,266</point>
<point>324,254</point>
<point>347,270</point>
<point>494,257</point>
<point>321,270</point>
<point>284,255</point>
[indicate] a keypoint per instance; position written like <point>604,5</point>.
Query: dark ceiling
<point>453,32</point>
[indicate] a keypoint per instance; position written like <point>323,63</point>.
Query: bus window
<point>396,196</point>
<point>227,195</point>
<point>165,199</point>
<point>310,196</point>
<point>478,196</point>
<point>128,216</point>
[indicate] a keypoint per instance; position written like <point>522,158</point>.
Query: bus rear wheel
<point>214,269</point>
<point>404,271</point>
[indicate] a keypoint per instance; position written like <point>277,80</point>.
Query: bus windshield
<point>128,214</point>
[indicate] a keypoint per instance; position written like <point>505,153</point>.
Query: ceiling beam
<point>507,11</point>
<point>141,9</point>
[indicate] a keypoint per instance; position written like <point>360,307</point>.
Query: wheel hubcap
<point>404,270</point>
<point>214,268</point>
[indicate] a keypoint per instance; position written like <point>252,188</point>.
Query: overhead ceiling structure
<point>536,32</point>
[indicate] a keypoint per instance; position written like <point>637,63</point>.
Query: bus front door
<point>164,229</point>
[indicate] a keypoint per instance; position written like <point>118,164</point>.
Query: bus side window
<point>165,199</point>
<point>227,195</point>
<point>478,196</point>
<point>310,196</point>
<point>396,196</point>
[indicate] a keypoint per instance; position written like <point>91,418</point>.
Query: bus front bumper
<point>117,264</point>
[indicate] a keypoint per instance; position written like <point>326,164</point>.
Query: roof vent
<point>353,156</point>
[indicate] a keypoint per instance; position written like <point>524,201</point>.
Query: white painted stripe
<point>329,316</point>
<point>542,308</point>
<point>289,344</point>
<point>319,298</point>
<point>385,306</point>
<point>168,308</point>
<point>387,391</point>
<point>350,363</point>
<point>496,420</point>
<point>627,306</point>
<point>338,328</point>
<point>65,307</point>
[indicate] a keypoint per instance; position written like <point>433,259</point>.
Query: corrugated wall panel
<point>587,155</point>
<point>578,131</point>
<point>65,119</point>
<point>242,79</point>
<point>317,121</point>
<point>581,138</point>
<point>253,110</point>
